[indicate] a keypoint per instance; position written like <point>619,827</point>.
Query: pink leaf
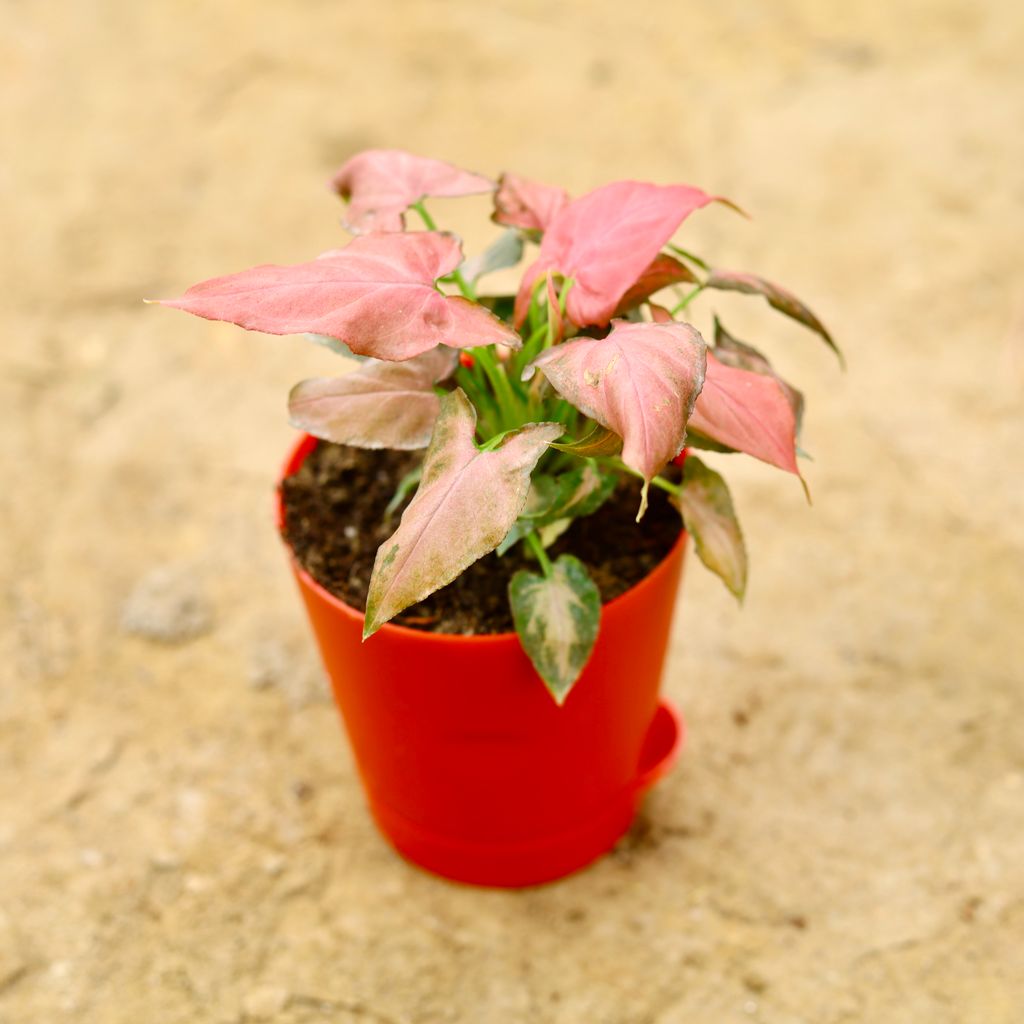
<point>777,296</point>
<point>381,184</point>
<point>746,411</point>
<point>641,382</point>
<point>739,354</point>
<point>606,239</point>
<point>663,271</point>
<point>377,295</point>
<point>465,495</point>
<point>380,405</point>
<point>521,203</point>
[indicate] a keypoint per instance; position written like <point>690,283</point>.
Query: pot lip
<point>297,455</point>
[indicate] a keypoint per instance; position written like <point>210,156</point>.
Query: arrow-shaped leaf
<point>663,271</point>
<point>465,494</point>
<point>557,618</point>
<point>380,405</point>
<point>708,514</point>
<point>641,381</point>
<point>381,184</point>
<point>505,251</point>
<point>377,295</point>
<point>742,356</point>
<point>778,298</point>
<point>605,240</point>
<point>748,412</point>
<point>581,492</point>
<point>530,205</point>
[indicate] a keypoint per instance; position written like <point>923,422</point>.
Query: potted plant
<point>491,443</point>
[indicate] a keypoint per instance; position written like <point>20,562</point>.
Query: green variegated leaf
<point>544,490</point>
<point>554,502</point>
<point>708,513</point>
<point>550,532</point>
<point>466,503</point>
<point>557,619</point>
<point>520,528</point>
<point>598,441</point>
<point>580,492</point>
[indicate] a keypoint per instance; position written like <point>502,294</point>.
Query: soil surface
<point>336,519</point>
<point>183,837</point>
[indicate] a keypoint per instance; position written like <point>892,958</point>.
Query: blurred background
<point>182,837</point>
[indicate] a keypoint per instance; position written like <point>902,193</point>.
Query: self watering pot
<point>469,767</point>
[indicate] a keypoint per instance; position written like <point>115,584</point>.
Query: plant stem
<point>457,276</point>
<point>538,549</point>
<point>508,403</point>
<point>686,300</point>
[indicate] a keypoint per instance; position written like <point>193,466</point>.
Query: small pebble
<point>167,607</point>
<point>91,858</point>
<point>164,860</point>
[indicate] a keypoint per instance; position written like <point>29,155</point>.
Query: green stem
<point>457,276</point>
<point>503,393</point>
<point>542,556</point>
<point>686,300</point>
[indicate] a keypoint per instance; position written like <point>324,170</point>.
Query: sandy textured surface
<point>182,838</point>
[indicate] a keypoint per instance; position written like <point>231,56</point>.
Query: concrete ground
<point>182,838</point>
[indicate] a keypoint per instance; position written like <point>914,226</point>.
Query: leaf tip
<point>807,490</point>
<point>735,207</point>
<point>643,500</point>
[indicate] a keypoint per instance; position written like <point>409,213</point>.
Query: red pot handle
<point>662,746</point>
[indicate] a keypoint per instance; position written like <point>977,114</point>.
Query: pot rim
<point>297,455</point>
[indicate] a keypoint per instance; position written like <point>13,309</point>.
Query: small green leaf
<point>544,492</point>
<point>408,483</point>
<point>500,305</point>
<point>550,532</point>
<point>581,492</point>
<point>557,619</point>
<point>505,251</point>
<point>695,439</point>
<point>334,344</point>
<point>708,513</point>
<point>520,528</point>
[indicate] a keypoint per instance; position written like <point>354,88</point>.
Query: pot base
<point>515,865</point>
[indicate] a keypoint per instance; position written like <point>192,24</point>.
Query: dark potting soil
<point>334,514</point>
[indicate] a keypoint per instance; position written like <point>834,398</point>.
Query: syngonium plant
<point>530,407</point>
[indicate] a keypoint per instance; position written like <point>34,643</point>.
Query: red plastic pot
<point>470,768</point>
